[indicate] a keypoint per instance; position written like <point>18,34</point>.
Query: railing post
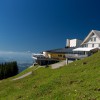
<point>66,61</point>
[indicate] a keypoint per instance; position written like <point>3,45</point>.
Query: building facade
<point>58,53</point>
<point>92,40</point>
<point>90,44</point>
<point>73,43</point>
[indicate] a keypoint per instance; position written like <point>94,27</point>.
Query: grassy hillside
<point>79,80</point>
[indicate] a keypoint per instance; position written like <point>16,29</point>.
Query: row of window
<point>93,39</point>
<point>61,56</point>
<point>86,45</point>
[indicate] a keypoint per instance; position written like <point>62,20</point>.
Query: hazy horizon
<point>24,59</point>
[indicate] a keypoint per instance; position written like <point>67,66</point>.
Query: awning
<point>83,49</point>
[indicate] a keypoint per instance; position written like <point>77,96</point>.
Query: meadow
<point>79,80</point>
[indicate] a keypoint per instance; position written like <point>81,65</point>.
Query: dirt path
<point>27,74</point>
<point>59,64</point>
<point>53,66</point>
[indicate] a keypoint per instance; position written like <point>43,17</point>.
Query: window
<point>92,45</point>
<point>99,45</point>
<point>85,45</point>
<point>91,39</point>
<point>94,38</point>
<point>59,55</point>
<point>63,56</point>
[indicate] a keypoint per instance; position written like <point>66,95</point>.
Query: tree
<point>8,69</point>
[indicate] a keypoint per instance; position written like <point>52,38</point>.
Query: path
<point>53,66</point>
<point>60,64</point>
<point>27,74</point>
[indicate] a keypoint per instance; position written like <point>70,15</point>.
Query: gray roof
<point>61,50</point>
<point>97,33</point>
<point>93,31</point>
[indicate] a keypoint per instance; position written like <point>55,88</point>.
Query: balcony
<point>76,56</point>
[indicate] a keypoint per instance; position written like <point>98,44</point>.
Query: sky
<point>38,25</point>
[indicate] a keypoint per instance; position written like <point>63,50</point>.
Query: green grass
<point>76,81</point>
<point>26,71</point>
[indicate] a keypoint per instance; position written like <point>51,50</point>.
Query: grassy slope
<point>72,82</point>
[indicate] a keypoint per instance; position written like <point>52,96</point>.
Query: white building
<point>92,40</point>
<point>90,43</point>
<point>73,42</point>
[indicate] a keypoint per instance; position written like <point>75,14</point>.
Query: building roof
<point>61,50</point>
<point>97,33</point>
<point>83,49</point>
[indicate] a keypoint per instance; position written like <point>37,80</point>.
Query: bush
<point>8,69</point>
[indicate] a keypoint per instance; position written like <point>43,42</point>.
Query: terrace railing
<point>80,56</point>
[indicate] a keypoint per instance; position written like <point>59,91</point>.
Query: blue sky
<point>37,25</point>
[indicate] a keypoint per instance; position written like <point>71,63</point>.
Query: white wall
<point>73,42</point>
<point>96,43</point>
